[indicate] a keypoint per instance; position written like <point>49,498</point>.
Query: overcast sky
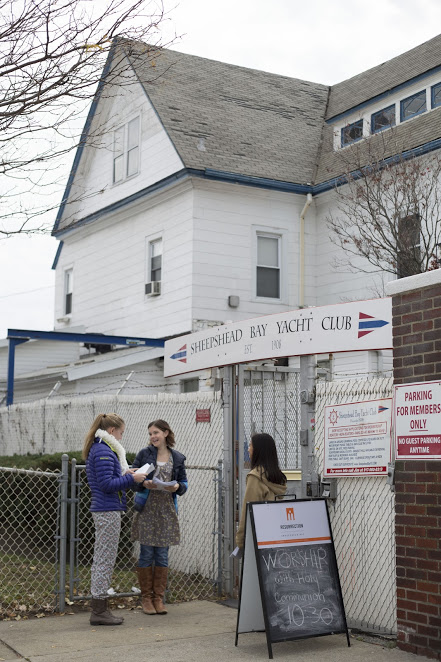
<point>321,41</point>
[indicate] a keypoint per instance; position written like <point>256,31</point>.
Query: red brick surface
<point>417,357</point>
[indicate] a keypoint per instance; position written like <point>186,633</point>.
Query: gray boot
<point>101,614</point>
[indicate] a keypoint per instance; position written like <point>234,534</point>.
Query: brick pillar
<point>416,309</point>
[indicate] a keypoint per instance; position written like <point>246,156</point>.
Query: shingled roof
<point>381,79</point>
<point>233,119</point>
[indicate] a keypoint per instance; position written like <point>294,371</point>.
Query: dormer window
<point>413,106</point>
<point>436,95</point>
<point>351,133</point>
<point>126,151</point>
<point>383,119</point>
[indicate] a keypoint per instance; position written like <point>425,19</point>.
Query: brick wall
<point>416,306</point>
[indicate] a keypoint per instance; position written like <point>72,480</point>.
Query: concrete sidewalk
<point>191,632</point>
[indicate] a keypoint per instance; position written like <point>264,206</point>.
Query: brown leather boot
<point>145,579</point>
<point>159,586</point>
<point>101,614</point>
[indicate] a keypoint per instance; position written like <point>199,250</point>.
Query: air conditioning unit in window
<point>153,289</point>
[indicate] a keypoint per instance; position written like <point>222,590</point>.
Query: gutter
<point>302,251</point>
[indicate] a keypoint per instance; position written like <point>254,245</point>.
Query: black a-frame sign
<point>290,587</point>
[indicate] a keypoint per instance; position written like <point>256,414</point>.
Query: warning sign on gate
<point>417,421</point>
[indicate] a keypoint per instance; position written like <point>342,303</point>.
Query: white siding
<point>226,218</point>
<point>93,188</point>
<point>337,285</point>
<point>108,260</point>
<point>36,355</point>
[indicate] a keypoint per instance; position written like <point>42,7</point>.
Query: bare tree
<point>388,208</point>
<point>52,58</point>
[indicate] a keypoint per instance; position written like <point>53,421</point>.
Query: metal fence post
<point>62,537</point>
<point>73,516</point>
<point>219,528</point>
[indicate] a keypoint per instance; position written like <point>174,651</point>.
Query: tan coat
<point>258,488</point>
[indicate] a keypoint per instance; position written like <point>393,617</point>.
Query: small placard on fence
<point>203,415</point>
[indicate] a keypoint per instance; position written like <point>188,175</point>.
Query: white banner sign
<point>418,421</point>
<point>354,326</point>
<point>358,438</point>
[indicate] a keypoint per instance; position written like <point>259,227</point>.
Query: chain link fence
<point>29,546</point>
<point>271,404</point>
<point>195,565</point>
<point>32,570</point>
<point>362,519</point>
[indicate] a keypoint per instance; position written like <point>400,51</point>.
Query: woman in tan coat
<point>265,481</point>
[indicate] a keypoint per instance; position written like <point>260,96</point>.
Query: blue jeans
<point>149,554</point>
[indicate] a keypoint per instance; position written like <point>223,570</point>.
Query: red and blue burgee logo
<point>381,409</point>
<point>367,324</point>
<point>181,354</point>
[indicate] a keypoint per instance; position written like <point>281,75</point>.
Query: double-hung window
<point>126,151</point>
<point>154,267</point>
<point>409,247</point>
<point>268,266</point>
<point>68,290</point>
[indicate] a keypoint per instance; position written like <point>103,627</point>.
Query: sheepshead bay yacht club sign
<point>346,327</point>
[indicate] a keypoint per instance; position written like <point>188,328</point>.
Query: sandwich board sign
<point>290,587</point>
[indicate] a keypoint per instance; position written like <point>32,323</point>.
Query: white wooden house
<point>200,193</point>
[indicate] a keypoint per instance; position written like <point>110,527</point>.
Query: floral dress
<point>157,524</point>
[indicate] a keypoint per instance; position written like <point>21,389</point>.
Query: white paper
<point>161,485</point>
<point>237,553</point>
<point>145,469</point>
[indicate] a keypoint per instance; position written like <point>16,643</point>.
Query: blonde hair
<point>162,425</point>
<point>102,422</point>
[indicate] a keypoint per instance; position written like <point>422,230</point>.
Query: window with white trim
<point>155,260</point>
<point>126,151</point>
<point>68,291</point>
<point>268,266</point>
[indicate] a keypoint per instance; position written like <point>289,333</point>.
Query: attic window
<point>126,151</point>
<point>412,106</point>
<point>383,119</point>
<point>351,133</point>
<point>436,95</point>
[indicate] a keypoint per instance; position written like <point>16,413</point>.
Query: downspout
<point>302,251</point>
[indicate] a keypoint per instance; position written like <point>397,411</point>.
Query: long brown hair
<point>102,422</point>
<point>162,425</point>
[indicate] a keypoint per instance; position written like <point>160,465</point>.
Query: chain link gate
<point>268,400</point>
<point>195,565</point>
<point>32,525</point>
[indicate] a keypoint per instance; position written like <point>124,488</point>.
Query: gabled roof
<point>232,119</point>
<point>381,79</point>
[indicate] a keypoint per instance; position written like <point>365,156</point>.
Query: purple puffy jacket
<point>104,477</point>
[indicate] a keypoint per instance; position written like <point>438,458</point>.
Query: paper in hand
<point>161,485</point>
<point>145,469</point>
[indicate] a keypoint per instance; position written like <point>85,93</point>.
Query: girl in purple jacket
<point>108,475</point>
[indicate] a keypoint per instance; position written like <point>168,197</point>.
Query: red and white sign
<point>358,438</point>
<point>203,416</point>
<point>417,409</point>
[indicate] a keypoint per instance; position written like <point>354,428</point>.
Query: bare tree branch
<point>52,54</point>
<point>388,208</point>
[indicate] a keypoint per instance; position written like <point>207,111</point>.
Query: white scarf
<point>115,446</point>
